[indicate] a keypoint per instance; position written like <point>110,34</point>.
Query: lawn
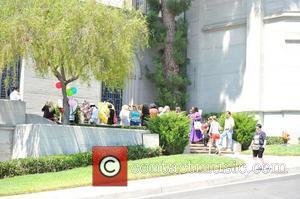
<point>280,150</point>
<point>137,169</point>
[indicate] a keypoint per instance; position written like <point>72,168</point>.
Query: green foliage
<point>112,126</point>
<point>72,39</point>
<point>63,162</point>
<point>273,140</point>
<point>74,35</point>
<point>173,130</point>
<point>178,6</point>
<point>171,89</point>
<point>244,129</point>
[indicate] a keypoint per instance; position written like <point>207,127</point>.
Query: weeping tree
<point>72,40</point>
<point>168,30</point>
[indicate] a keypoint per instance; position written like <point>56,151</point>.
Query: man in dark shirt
<point>111,115</point>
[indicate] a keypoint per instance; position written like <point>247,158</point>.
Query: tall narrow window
<point>9,78</point>
<point>114,96</point>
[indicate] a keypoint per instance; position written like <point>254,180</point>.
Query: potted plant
<point>286,137</point>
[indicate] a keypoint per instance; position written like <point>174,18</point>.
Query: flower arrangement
<point>285,136</point>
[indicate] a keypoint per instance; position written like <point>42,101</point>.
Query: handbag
<point>255,147</point>
<point>197,125</point>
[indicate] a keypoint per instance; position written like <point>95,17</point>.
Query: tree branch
<point>72,79</point>
<point>58,75</point>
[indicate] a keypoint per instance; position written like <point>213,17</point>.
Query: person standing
<point>95,114</point>
<point>124,116</point>
<point>153,111</point>
<point>48,111</point>
<point>145,115</point>
<point>135,119</point>
<point>195,132</point>
<point>177,110</point>
<point>228,132</point>
<point>111,115</point>
<point>214,131</point>
<point>258,144</point>
<point>15,95</point>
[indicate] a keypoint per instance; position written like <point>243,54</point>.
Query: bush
<point>173,130</point>
<point>244,129</point>
<point>273,140</point>
<point>63,162</point>
<point>112,126</point>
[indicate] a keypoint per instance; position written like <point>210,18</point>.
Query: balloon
<point>74,90</point>
<point>58,85</point>
<point>72,102</point>
<point>69,92</point>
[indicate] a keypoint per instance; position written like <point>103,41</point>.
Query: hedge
<point>111,126</point>
<point>56,163</point>
<point>173,130</point>
<point>273,140</point>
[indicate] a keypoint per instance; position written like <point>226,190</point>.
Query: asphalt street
<point>276,188</point>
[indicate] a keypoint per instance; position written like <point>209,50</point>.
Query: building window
<point>115,97</point>
<point>9,78</point>
<point>140,5</point>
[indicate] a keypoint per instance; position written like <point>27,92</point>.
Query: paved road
<point>276,188</point>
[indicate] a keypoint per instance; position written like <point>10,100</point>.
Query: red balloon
<point>58,85</point>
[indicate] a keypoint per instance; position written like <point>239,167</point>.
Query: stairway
<point>201,149</point>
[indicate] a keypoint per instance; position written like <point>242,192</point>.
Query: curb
<point>203,184</point>
<point>154,186</point>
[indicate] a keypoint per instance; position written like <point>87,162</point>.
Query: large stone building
<point>243,58</point>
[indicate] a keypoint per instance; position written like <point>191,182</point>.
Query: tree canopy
<point>72,39</point>
<point>86,38</point>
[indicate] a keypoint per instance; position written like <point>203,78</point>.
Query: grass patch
<point>280,150</point>
<point>137,169</point>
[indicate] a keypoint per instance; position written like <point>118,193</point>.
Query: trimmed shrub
<point>273,140</point>
<point>56,163</point>
<point>112,126</point>
<point>173,130</point>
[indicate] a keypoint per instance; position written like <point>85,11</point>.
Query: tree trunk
<point>66,113</point>
<point>169,21</point>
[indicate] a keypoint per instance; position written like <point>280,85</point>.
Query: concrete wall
<point>138,88</point>
<point>6,138</point>
<point>244,54</point>
<point>12,112</point>
<point>245,57</point>
<point>274,123</point>
<point>35,140</point>
<point>36,90</point>
<point>217,49</point>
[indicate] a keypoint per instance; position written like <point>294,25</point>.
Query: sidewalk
<point>139,188</point>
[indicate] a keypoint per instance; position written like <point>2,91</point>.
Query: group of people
<point>211,131</point>
<point>137,115</point>
<point>105,113</point>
